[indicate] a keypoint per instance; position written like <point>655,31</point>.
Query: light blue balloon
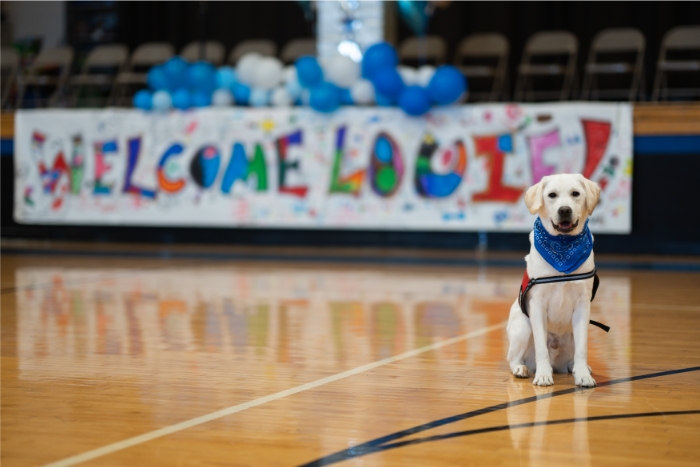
<point>182,99</point>
<point>241,93</point>
<point>259,97</point>
<point>162,101</point>
<point>294,89</point>
<point>225,77</point>
<point>143,100</point>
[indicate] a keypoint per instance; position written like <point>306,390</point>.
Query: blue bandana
<point>565,253</point>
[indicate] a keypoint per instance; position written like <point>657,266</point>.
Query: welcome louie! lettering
<point>292,168</point>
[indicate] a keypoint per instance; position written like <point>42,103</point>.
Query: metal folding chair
<point>214,52</point>
<point>263,47</point>
<point>482,47</point>
<point>625,40</point>
<point>681,38</point>
<point>431,50</point>
<point>100,69</point>
<point>542,46</point>
<point>51,68</point>
<point>10,69</point>
<point>135,73</point>
<point>298,48</point>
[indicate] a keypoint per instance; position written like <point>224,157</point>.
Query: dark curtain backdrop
<point>227,22</point>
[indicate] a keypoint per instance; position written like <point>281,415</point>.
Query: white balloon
<point>246,67</point>
<point>268,73</point>
<point>362,92</point>
<point>425,74</point>
<point>290,74</point>
<point>342,71</point>
<point>281,98</point>
<point>222,98</point>
<point>408,75</point>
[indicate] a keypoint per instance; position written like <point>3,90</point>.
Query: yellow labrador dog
<point>548,327</point>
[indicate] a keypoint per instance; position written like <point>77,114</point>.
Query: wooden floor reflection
<point>100,350</point>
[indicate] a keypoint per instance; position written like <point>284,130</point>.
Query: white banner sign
<point>458,168</point>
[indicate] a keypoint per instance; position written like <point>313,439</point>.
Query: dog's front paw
<point>542,379</point>
<point>585,381</point>
<point>520,371</point>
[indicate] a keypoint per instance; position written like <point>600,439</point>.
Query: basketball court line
<point>386,442</point>
<point>136,440</point>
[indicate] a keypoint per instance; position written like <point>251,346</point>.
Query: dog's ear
<point>533,197</point>
<point>592,194</point>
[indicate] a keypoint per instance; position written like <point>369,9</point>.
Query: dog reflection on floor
<point>547,443</point>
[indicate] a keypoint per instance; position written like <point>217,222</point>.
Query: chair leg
<point>657,85</point>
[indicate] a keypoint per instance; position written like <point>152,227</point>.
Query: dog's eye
<point>575,194</point>
<point>552,195</point>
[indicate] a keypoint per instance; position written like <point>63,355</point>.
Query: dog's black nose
<point>565,211</point>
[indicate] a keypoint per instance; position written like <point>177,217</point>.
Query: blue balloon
<point>175,71</point>
<point>388,82</point>
<point>345,96</point>
<point>182,99</point>
<point>143,100</point>
<point>382,100</point>
<point>309,72</point>
<point>446,85</point>
<point>414,100</point>
<point>201,76</point>
<point>225,77</point>
<point>241,93</point>
<point>162,101</point>
<point>157,79</point>
<point>259,97</point>
<point>379,56</point>
<point>325,98</point>
<point>201,99</point>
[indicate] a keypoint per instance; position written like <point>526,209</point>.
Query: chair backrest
<point>618,40</point>
<point>113,55</point>
<point>214,52</point>
<point>297,48</point>
<point>482,45</point>
<point>429,47</point>
<point>10,58</point>
<point>682,37</point>
<point>263,47</point>
<point>61,56</point>
<point>551,43</point>
<point>152,53</point>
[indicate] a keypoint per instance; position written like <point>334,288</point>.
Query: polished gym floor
<point>138,356</point>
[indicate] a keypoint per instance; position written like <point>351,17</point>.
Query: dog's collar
<point>528,283</point>
<point>565,253</point>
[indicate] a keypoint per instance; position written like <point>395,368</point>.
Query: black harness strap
<point>528,283</point>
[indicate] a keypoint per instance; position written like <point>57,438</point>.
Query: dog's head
<point>563,202</point>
